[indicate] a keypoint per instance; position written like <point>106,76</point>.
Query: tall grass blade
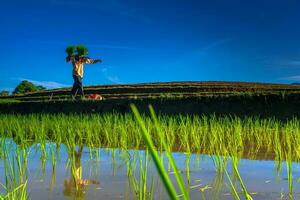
<point>159,166</point>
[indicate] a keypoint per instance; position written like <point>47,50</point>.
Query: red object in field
<point>95,97</point>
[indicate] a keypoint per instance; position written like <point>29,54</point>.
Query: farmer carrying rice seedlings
<point>78,61</point>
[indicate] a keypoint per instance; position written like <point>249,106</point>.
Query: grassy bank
<point>280,107</point>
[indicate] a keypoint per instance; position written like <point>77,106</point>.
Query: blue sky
<point>150,41</point>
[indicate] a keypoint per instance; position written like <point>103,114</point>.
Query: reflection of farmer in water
<point>75,185</point>
<point>78,61</point>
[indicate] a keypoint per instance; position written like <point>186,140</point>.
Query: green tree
<point>4,93</point>
<point>26,86</point>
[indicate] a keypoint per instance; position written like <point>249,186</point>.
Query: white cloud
<point>216,44</point>
<point>291,78</point>
<point>104,69</point>
<point>283,63</point>
<point>293,62</point>
<point>7,89</point>
<point>46,84</point>
<point>112,78</point>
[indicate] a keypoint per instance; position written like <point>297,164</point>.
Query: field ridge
<point>165,90</point>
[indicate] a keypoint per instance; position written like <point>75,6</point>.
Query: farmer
<point>78,61</point>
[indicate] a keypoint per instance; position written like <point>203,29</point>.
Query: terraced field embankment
<point>239,98</point>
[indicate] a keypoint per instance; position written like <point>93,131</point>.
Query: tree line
<point>23,87</point>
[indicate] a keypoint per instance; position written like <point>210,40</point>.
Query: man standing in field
<point>78,61</point>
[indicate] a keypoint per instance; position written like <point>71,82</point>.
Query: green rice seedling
<point>131,162</point>
<point>187,168</point>
<point>143,177</point>
<point>278,165</point>
<point>232,187</point>
<point>54,155</point>
<point>113,161</point>
<point>140,184</point>
<point>82,50</point>
<point>168,153</point>
<point>15,168</point>
<point>277,143</point>
<point>220,164</point>
<point>19,193</point>
<point>43,159</point>
<point>235,168</point>
<point>163,174</point>
<point>290,178</point>
<point>217,185</point>
<point>70,50</point>
<point>22,162</point>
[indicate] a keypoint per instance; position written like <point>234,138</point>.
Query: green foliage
<point>26,86</point>
<point>10,100</point>
<point>70,50</point>
<point>39,87</point>
<point>82,50</point>
<point>79,50</point>
<point>159,165</point>
<point>4,93</point>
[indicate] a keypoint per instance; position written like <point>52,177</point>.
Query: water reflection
<point>75,185</point>
<point>130,174</point>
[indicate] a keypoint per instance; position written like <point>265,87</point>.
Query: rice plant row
<point>249,137</point>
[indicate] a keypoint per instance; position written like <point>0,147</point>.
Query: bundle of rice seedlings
<point>82,50</point>
<point>70,50</point>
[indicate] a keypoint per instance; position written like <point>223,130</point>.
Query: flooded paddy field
<point>109,156</point>
<point>116,174</point>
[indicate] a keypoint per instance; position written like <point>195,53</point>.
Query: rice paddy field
<point>164,90</point>
<point>151,155</point>
<point>114,156</point>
